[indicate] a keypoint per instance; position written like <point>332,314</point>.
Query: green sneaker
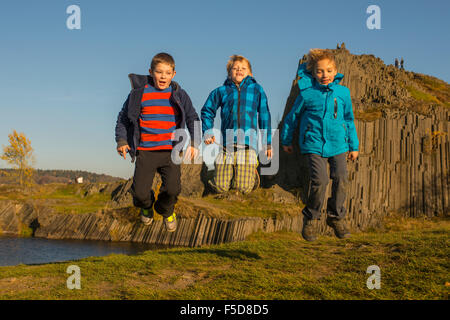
<point>339,227</point>
<point>146,216</point>
<point>170,223</point>
<point>308,232</point>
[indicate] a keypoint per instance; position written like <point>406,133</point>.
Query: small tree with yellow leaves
<point>19,154</point>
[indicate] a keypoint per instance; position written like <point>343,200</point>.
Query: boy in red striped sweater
<point>145,128</point>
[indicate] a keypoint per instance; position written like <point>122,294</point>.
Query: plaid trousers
<point>240,165</point>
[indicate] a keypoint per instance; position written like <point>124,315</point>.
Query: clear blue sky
<point>63,88</point>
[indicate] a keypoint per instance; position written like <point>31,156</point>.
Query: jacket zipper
<point>325,112</point>
<point>239,107</point>
<point>136,127</point>
<point>335,108</point>
<point>177,104</point>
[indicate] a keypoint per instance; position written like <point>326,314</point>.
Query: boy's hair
<point>316,55</point>
<point>239,58</point>
<point>162,58</point>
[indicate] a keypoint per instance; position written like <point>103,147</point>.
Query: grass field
<point>72,199</point>
<point>63,198</point>
<point>412,254</point>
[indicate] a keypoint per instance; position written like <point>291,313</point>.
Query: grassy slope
<point>65,198</point>
<point>234,205</point>
<point>432,89</point>
<point>412,254</point>
<point>427,90</point>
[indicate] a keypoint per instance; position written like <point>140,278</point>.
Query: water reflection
<point>14,251</point>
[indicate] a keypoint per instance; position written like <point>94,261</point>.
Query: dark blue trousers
<point>318,182</point>
<point>147,164</point>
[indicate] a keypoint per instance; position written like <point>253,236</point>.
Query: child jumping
<point>327,133</point>
<point>154,109</point>
<point>243,106</point>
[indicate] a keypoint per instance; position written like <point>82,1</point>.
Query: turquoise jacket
<point>327,125</point>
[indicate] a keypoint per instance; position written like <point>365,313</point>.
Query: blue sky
<point>63,88</point>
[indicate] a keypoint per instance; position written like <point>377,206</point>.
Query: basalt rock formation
<point>195,228</point>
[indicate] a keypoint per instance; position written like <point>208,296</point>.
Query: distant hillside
<point>59,176</point>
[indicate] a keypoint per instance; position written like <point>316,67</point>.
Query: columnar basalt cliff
<point>194,229</point>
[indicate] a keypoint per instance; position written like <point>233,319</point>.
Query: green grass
<point>369,114</point>
<point>70,199</point>
<point>439,88</point>
<point>411,253</point>
<point>421,95</point>
<point>433,84</point>
<point>24,231</point>
<point>63,198</point>
<point>256,204</point>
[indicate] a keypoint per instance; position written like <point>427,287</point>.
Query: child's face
<point>325,71</point>
<point>239,71</point>
<point>162,75</point>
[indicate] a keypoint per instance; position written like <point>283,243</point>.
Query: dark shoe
<point>213,186</point>
<point>339,227</point>
<point>170,223</point>
<point>308,231</point>
<point>147,216</point>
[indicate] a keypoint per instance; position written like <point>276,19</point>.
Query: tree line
<point>19,155</point>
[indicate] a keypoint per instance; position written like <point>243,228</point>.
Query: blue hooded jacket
<point>327,125</point>
<point>244,107</point>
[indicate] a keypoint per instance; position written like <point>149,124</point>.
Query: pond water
<point>14,251</point>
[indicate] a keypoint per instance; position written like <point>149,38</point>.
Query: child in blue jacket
<point>327,133</point>
<point>243,108</point>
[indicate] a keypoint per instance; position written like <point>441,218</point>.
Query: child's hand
<point>288,149</point>
<point>210,140</point>
<point>353,155</point>
<point>191,152</point>
<point>123,150</point>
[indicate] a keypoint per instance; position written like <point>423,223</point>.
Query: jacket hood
<point>306,79</point>
<point>247,80</point>
<point>139,81</point>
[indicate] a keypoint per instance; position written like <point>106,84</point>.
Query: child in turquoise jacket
<point>327,133</point>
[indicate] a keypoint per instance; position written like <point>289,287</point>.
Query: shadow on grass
<point>231,254</point>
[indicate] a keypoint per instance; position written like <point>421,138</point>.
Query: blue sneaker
<point>146,216</point>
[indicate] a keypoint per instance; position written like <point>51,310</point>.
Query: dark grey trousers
<point>318,183</point>
<point>147,164</point>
